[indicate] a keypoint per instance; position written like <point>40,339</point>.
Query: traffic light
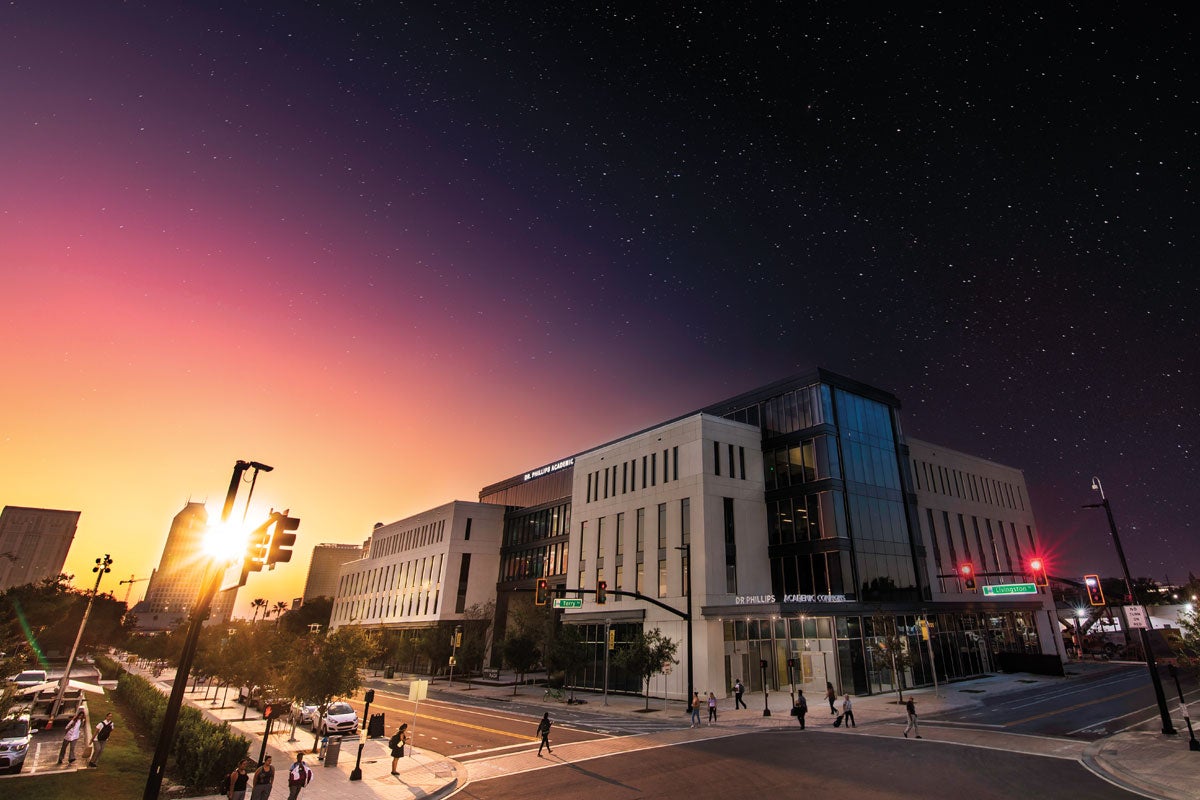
<point>256,550</point>
<point>283,539</point>
<point>369,696</point>
<point>762,663</point>
<point>1094,592</point>
<point>541,594</point>
<point>1038,568</point>
<point>967,572</point>
<point>601,592</point>
<point>791,663</point>
<point>277,710</point>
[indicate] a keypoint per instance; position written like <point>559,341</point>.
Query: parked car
<point>305,712</point>
<point>339,718</point>
<point>30,677</point>
<point>15,733</point>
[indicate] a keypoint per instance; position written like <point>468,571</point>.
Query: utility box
<point>375,726</point>
<point>333,750</point>
<point>389,672</point>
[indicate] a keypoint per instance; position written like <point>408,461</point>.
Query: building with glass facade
<point>815,538</point>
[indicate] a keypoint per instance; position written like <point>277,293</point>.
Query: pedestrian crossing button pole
<point>762,665</point>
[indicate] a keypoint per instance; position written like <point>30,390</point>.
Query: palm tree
<point>280,607</point>
<point>257,603</point>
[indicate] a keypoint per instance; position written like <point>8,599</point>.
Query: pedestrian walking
<point>264,778</point>
<point>912,719</point>
<point>738,691</point>
<point>239,779</point>
<point>831,696</point>
<point>543,730</point>
<point>800,708</point>
<point>695,710</point>
<point>104,729</point>
<point>299,776</point>
<point>848,713</point>
<point>70,736</point>
<point>397,744</point>
<point>712,708</point>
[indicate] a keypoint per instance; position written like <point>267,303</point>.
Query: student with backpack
<point>299,776</point>
<point>103,731</point>
<point>800,708</point>
<point>397,744</point>
<point>543,730</point>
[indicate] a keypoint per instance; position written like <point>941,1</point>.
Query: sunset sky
<point>403,251</point>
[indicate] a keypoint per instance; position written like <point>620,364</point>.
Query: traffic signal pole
<point>212,580</point>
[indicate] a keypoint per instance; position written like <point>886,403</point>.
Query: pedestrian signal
<point>1094,592</point>
<point>967,572</point>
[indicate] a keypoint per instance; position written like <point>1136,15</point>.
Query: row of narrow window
<point>987,551</point>
<point>735,464</point>
<point>412,587</point>
<point>413,538</point>
<point>967,486</point>
<point>623,478</point>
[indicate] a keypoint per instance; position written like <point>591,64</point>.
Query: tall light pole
<point>687,589</point>
<point>1151,664</point>
<point>213,573</point>
<point>103,565</point>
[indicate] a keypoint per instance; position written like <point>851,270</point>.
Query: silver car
<point>339,718</point>
<point>305,712</point>
<point>15,734</point>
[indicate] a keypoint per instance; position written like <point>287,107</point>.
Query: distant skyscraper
<point>34,543</point>
<point>175,585</point>
<point>323,570</point>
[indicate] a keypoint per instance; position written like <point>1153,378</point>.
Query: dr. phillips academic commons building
<point>821,541</point>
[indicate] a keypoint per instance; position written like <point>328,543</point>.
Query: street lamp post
<point>1192,743</point>
<point>607,634</point>
<point>1151,664</point>
<point>687,588</point>
<point>103,565</point>
<point>213,573</point>
<point>762,664</point>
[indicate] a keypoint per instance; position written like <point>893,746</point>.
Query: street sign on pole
<point>1136,615</point>
<point>1010,588</point>
<point>568,602</point>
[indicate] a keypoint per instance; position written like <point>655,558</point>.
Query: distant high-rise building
<point>327,559</point>
<point>34,543</point>
<point>175,585</point>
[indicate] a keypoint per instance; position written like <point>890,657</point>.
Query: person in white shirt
<point>299,776</point>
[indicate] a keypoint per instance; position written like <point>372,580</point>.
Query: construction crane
<point>132,580</point>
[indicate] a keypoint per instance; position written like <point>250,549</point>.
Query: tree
<point>649,654</point>
<point>1187,642</point>
<point>322,668</point>
<point>569,653</point>
<point>280,608</point>
<point>890,650</point>
<point>478,621</point>
<point>520,653</point>
<point>257,604</point>
<point>319,610</point>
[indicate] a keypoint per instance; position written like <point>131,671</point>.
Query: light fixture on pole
<point>1151,664</point>
<point>103,565</point>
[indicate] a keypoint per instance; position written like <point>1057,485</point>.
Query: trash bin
<point>332,750</point>
<point>375,726</point>
<point>389,671</point>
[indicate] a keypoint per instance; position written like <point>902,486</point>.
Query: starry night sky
<point>406,250</point>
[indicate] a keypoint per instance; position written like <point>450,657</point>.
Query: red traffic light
<point>1038,567</point>
<point>967,572</point>
<point>541,593</point>
<point>601,592</point>
<point>1094,591</point>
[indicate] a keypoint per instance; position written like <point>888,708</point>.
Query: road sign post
<point>568,602</point>
<point>1002,589</point>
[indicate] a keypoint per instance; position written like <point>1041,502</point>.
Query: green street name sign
<point>1010,588</point>
<point>575,602</point>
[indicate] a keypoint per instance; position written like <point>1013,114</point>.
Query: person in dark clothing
<point>831,696</point>
<point>801,707</point>
<point>848,712</point>
<point>396,743</point>
<point>738,691</point>
<point>238,780</point>
<point>912,719</point>
<point>543,730</point>
<point>264,779</point>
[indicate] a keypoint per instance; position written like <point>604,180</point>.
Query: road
<point>784,763</point>
<point>1091,707</point>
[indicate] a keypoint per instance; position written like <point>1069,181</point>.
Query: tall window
<point>621,534</point>
<point>582,580</point>
<point>464,572</point>
<point>619,581</point>
<point>600,538</point>
<point>640,580</point>
<point>730,548</point>
<point>717,458</point>
<point>662,526</point>
<point>685,524</point>
<point>641,530</point>
<point>662,577</point>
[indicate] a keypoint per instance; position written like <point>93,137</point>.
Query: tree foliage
<point>322,668</point>
<point>521,654</point>
<point>649,654</point>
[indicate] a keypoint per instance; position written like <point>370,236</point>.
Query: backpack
<point>304,774</point>
<point>106,729</point>
<point>394,742</point>
<point>803,706</point>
